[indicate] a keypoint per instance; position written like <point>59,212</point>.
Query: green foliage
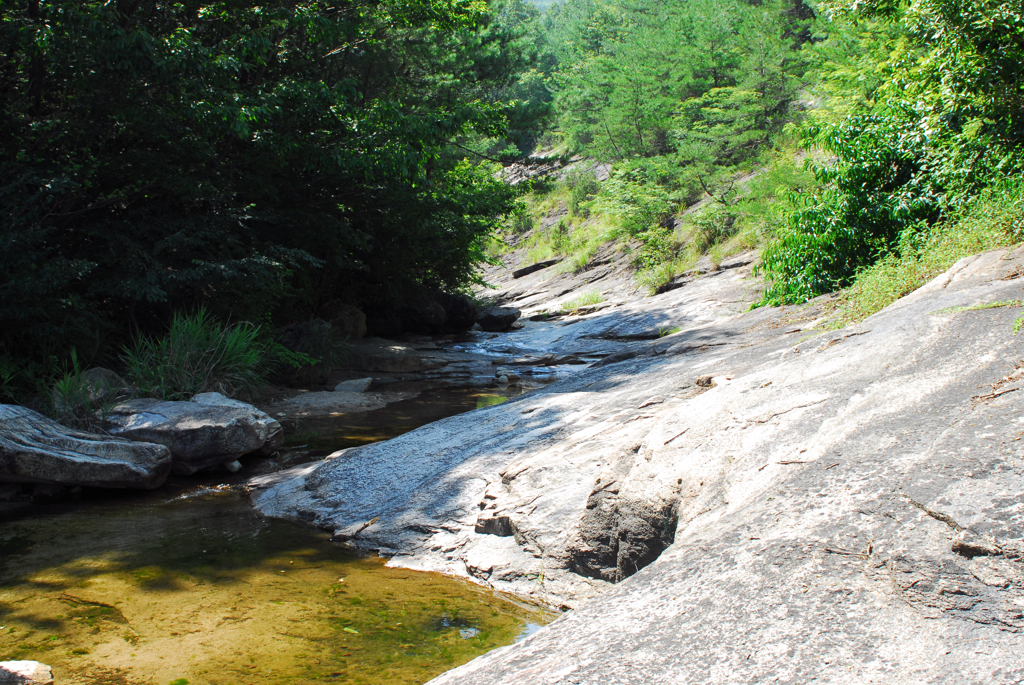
<point>256,158</point>
<point>995,219</point>
<point>583,186</point>
<point>199,354</point>
<point>876,193</point>
<point>945,123</point>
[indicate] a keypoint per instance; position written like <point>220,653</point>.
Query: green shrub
<point>583,186</point>
<point>995,220</point>
<point>75,401</point>
<point>199,354</point>
<point>877,195</point>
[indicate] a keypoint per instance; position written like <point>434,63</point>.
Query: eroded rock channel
<point>745,497</point>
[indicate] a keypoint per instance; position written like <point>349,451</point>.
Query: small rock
<point>969,545</point>
<point>500,526</point>
<point>502,380</point>
<point>25,673</point>
<point>348,320</point>
<point>706,382</point>
<point>476,327</point>
<point>360,385</point>
<point>233,466</point>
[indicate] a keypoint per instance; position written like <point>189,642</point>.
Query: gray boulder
<point>35,449</point>
<point>358,385</point>
<point>753,500</point>
<point>497,319</point>
<point>209,431</point>
<point>348,320</point>
<point>25,673</point>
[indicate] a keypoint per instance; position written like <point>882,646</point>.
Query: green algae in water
<point>204,589</point>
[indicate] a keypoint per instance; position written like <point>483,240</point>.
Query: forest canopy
<point>248,157</point>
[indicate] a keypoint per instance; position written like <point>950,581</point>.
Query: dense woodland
<point>264,160</point>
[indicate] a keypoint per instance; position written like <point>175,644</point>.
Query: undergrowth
<point>994,220</point>
<point>199,354</point>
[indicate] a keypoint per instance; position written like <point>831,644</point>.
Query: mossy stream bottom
<point>201,589</point>
<point>191,585</point>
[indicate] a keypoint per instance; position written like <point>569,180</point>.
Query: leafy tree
<point>255,157</point>
<point>946,123</point>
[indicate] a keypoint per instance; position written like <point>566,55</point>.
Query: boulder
<point>348,320</point>
<point>201,434</point>
<point>423,314</point>
<point>275,435</point>
<point>460,312</point>
<point>826,506</point>
<point>25,673</point>
<point>359,385</point>
<point>35,449</point>
<point>308,337</point>
<point>497,319</point>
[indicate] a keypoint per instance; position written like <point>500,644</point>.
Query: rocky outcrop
<point>750,499</point>
<point>209,431</point>
<point>348,320</point>
<point>498,319</point>
<point>460,312</point>
<point>25,673</point>
<point>35,449</point>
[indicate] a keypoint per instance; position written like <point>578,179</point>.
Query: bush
<point>200,354</point>
<point>78,400</point>
<point>877,195</point>
<point>995,220</point>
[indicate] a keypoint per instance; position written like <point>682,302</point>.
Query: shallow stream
<point>189,585</point>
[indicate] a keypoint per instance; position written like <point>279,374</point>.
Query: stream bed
<point>188,585</point>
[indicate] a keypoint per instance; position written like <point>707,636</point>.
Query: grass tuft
<point>584,300</point>
<point>199,354</point>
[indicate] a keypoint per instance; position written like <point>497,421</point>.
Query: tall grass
<point>994,220</point>
<point>583,300</point>
<point>199,354</point>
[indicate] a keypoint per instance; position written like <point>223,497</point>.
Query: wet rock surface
<point>35,449</point>
<point>204,433</point>
<point>747,498</point>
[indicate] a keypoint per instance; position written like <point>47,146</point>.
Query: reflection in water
<point>190,584</point>
<point>324,435</point>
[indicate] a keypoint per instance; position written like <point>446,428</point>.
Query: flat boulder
<point>209,431</point>
<point>497,319</point>
<point>35,449</point>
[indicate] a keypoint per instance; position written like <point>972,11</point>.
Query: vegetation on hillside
<point>263,160</point>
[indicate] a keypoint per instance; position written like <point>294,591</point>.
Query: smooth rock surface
<point>358,385</point>
<point>209,431</point>
<point>25,673</point>
<point>798,518</point>
<point>35,449</point>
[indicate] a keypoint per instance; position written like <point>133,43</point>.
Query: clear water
<point>189,585</point>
